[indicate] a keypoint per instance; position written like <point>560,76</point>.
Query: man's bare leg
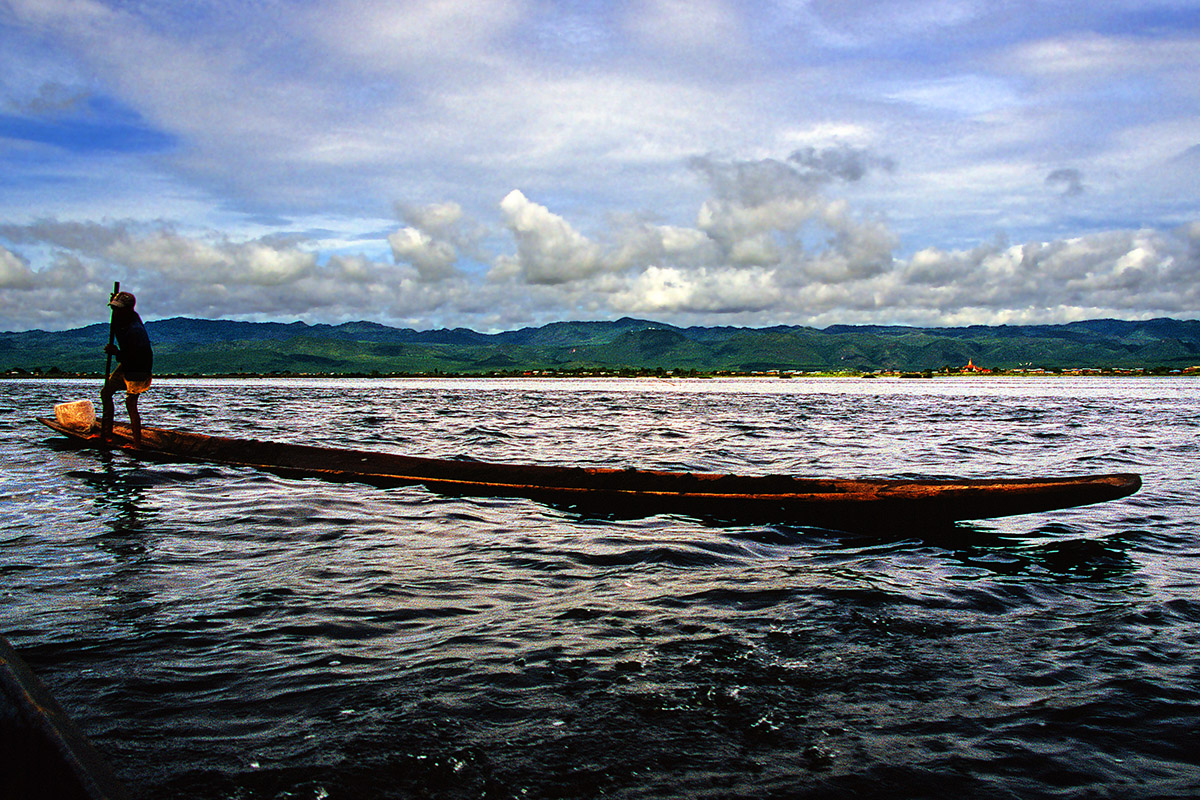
<point>135,419</point>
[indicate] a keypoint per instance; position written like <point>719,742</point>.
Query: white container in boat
<point>79,415</point>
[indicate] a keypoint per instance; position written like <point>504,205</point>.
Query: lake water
<point>226,633</point>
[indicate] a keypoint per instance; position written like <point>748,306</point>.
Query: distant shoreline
<point>622,348</point>
<point>544,375</point>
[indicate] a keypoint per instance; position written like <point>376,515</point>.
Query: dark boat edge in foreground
<point>42,752</point>
<point>834,503</point>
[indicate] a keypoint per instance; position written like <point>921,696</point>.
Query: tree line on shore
<point>626,347</point>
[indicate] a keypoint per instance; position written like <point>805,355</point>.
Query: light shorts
<point>135,382</point>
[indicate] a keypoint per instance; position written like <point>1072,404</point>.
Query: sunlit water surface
<point>227,633</point>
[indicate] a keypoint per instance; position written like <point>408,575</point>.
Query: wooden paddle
<point>112,330</point>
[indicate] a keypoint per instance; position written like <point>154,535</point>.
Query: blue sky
<point>501,164</point>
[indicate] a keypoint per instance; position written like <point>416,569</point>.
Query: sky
<point>497,164</point>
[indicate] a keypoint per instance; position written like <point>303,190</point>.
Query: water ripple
<point>222,632</point>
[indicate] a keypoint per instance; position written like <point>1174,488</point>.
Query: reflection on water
<point>223,632</point>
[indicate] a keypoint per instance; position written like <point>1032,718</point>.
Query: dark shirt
<point>136,357</point>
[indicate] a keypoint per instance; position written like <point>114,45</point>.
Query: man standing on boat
<point>135,360</point>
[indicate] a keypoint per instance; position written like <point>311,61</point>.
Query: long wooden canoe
<point>833,503</point>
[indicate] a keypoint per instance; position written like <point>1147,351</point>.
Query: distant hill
<point>210,347</point>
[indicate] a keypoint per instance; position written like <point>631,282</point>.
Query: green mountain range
<point>214,347</point>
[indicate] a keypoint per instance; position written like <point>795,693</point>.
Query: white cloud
<point>672,290</point>
<point>734,223</point>
<point>437,236</point>
<point>969,94</point>
<point>15,272</point>
<point>416,34</point>
<point>186,260</point>
<point>865,23</point>
<point>638,243</point>
<point>772,212</point>
<point>549,250</point>
<point>685,26</point>
<point>1096,57</point>
<point>434,260</point>
<point>845,159</point>
<point>48,12</point>
<point>436,218</point>
<point>765,213</point>
<point>669,273</point>
<point>1116,273</point>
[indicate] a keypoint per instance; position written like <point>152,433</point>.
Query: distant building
<point>970,367</point>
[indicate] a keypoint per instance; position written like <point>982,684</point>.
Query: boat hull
<point>835,503</point>
<point>42,752</point>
